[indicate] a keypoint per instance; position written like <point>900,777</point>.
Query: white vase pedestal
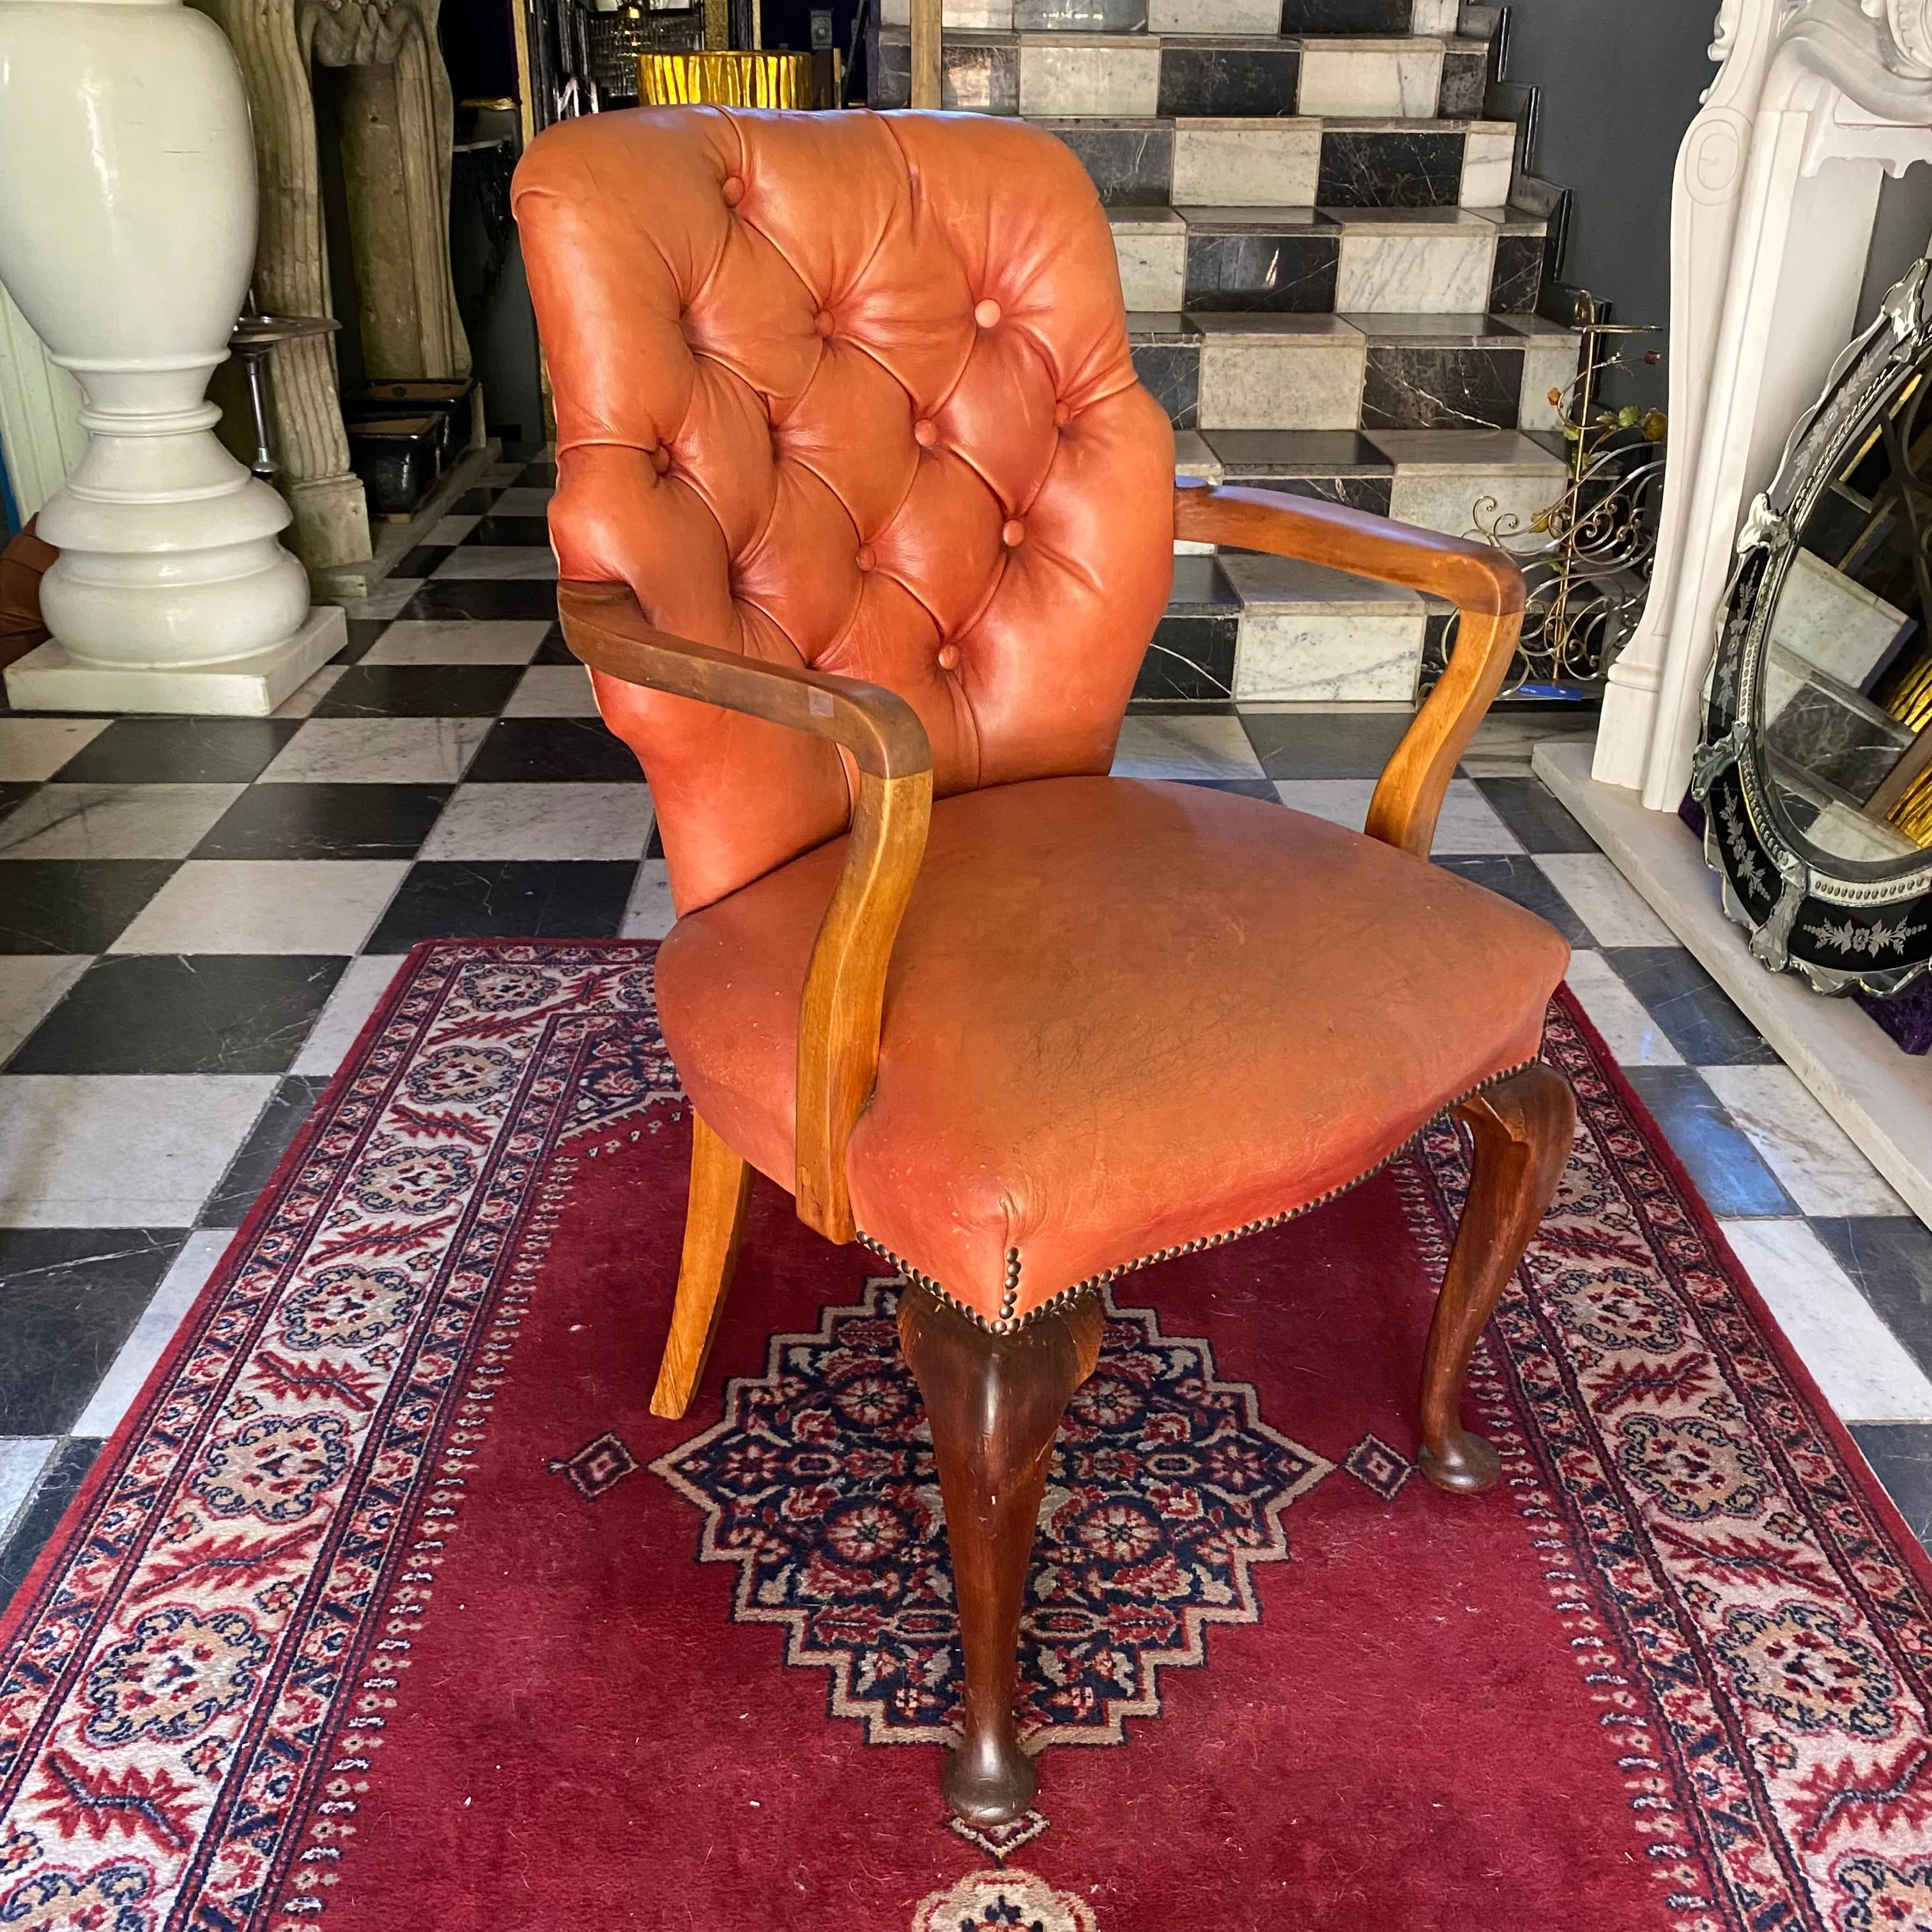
<point>51,679</point>
<point>128,205</point>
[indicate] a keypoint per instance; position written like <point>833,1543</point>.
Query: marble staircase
<point>1331,263</point>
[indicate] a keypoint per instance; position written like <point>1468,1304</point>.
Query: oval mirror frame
<point>1847,925</point>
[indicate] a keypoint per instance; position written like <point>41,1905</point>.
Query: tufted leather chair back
<point>853,390</point>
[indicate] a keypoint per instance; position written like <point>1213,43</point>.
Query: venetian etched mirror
<point>1815,770</point>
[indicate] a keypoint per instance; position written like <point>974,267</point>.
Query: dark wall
<point>1620,83</point>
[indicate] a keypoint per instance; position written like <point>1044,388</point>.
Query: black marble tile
<point>1256,788</point>
<point>1729,1172</point>
<point>1404,386</point>
<point>1820,732</point>
<point>473,502</point>
<point>1346,16</point>
<point>888,70</point>
<point>158,1012</point>
<point>1245,453</point>
<point>541,475</point>
<point>523,598</point>
<point>654,844</point>
<point>1464,81</point>
<point>179,751</point>
<point>363,632</point>
<point>1172,371</point>
<point>524,751</point>
<point>1131,167</point>
<point>1438,639</point>
<point>1900,1455</point>
<point>1517,278</point>
<point>525,532</point>
<point>1361,169</point>
<point>1530,810</point>
<point>420,690</point>
<point>508,898</point>
<point>67,1470</point>
<point>13,791</point>
<point>1888,1257</point>
<point>68,1299</point>
<point>1314,744</point>
<point>1291,273</point>
<point>73,905</point>
<point>1257,78</point>
<point>553,650</point>
<point>1691,1006</point>
<point>1516,876</point>
<point>325,821</point>
<point>1190,659</point>
<point>254,1166</point>
<point>423,561</point>
<point>1371,493</point>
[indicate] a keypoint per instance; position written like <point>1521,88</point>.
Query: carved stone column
<point>397,118</point>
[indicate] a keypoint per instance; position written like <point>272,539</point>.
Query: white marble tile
<point>553,691</point>
<point>300,702</point>
<point>1371,79</point>
<point>648,914</point>
<point>149,1338</point>
<point>385,601</point>
<point>1455,497</point>
<point>312,906</point>
<point>1178,746</point>
<point>451,530</point>
<point>1807,1150</point>
<point>364,981</point>
<point>1489,154</point>
<point>101,821</point>
<point>1387,268</point>
<point>1316,656</point>
<point>517,562</point>
<point>378,751</point>
<point>1153,258</point>
<point>961,16</point>
<point>119,1150</point>
<point>1468,826</point>
<point>1436,17</point>
<point>526,500</point>
<point>1862,1368</point>
<point>32,985</point>
<point>543,821</point>
<point>458,641</point>
<point>1601,896</point>
<point>1304,372</point>
<point>1223,163</point>
<point>1066,76</point>
<point>1179,18</point>
<point>22,1460</point>
<point>1624,1021</point>
<point>1548,363</point>
<point>34,749</point>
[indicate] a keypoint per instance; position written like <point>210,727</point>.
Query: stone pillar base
<point>47,679</point>
<point>332,521</point>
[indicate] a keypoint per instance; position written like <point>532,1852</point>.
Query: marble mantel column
<point>1776,185</point>
<point>397,118</point>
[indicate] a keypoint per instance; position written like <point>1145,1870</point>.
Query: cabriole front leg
<point>1523,1127</point>
<point>995,1402</point>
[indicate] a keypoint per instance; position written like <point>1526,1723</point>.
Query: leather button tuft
<point>1062,415</point>
<point>986,313</point>
<point>1013,533</point>
<point>734,190</point>
<point>948,657</point>
<point>661,459</point>
<point>867,556</point>
<point>925,434</point>
<point>823,318</point>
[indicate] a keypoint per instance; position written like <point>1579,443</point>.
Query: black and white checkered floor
<point>196,916</point>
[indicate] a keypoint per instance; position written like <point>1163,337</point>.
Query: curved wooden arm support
<point>1482,583</point>
<point>845,983</point>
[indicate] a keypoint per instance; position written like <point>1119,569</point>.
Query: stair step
<point>1220,371</point>
<point>1294,161</point>
<point>1139,74</point>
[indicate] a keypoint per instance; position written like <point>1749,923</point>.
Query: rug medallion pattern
<point>196,1685</point>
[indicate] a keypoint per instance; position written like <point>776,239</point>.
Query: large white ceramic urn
<point>126,237</point>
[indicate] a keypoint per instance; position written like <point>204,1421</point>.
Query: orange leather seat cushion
<point>1121,1017</point>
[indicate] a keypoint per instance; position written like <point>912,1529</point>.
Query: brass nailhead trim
<point>1008,1323</point>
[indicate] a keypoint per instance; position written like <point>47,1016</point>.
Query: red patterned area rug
<point>391,1606</point>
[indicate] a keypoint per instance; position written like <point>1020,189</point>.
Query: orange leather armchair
<point>865,523</point>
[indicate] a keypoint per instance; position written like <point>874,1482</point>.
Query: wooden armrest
<point>845,984</point>
<point>1483,583</point>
